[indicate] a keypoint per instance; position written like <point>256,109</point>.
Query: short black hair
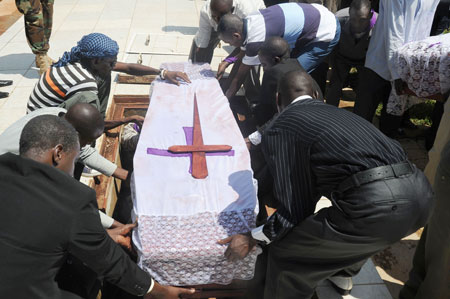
<point>44,132</point>
<point>359,5</point>
<point>230,24</point>
<point>215,3</point>
<point>293,84</point>
<point>275,46</point>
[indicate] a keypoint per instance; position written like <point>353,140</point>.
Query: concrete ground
<point>166,21</point>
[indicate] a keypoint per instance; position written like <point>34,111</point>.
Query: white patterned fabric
<point>425,66</point>
<point>182,218</point>
<point>399,22</point>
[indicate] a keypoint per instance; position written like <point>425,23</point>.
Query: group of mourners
<point>54,239</point>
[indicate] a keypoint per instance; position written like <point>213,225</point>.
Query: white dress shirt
<point>399,22</point>
<point>242,8</point>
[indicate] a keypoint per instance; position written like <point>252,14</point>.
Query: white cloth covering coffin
<point>180,217</point>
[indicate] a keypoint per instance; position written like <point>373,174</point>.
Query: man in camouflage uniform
<point>38,15</point>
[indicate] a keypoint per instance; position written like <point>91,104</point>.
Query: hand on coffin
<point>121,235</point>
<point>167,292</point>
<point>221,70</point>
<point>175,77</point>
<point>240,246</point>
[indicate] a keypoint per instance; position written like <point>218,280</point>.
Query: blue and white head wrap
<point>94,45</point>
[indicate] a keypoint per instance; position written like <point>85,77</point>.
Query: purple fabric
<point>274,21</point>
<point>189,135</point>
<point>230,59</point>
<point>136,128</point>
<point>311,25</point>
<point>373,20</point>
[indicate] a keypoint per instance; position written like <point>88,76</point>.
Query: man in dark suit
<point>46,215</point>
<point>356,29</point>
<point>313,150</point>
<point>274,56</point>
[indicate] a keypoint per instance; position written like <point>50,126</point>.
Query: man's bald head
<point>272,51</point>
<point>292,85</point>
<point>87,120</point>
<point>219,8</point>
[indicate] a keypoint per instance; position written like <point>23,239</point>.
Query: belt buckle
<point>396,168</point>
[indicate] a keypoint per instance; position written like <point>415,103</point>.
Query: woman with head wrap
<point>84,75</point>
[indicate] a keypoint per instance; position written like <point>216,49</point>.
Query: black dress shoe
<point>4,94</point>
<point>5,83</point>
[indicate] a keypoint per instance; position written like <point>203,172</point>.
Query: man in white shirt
<point>398,23</point>
<point>207,39</point>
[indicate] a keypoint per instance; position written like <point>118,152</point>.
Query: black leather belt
<point>375,174</point>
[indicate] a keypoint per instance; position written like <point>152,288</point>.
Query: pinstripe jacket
<point>310,148</point>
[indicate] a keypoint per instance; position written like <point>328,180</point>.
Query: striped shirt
<point>310,149</point>
<point>298,23</point>
<point>58,84</point>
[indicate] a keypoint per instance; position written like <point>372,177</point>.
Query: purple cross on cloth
<point>188,133</point>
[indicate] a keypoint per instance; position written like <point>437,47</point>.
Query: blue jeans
<point>315,52</point>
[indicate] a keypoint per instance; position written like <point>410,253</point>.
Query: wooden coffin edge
<point>129,79</point>
<point>107,190</point>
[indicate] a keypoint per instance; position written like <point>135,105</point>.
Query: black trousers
<point>373,89</point>
<point>340,70</point>
<point>337,240</point>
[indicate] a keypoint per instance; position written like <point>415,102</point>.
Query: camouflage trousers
<point>38,15</point>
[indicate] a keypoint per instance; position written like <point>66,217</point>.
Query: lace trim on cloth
<point>425,67</point>
<point>183,250</point>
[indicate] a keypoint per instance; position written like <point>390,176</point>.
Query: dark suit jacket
<point>44,216</point>
<point>310,148</point>
<point>267,107</point>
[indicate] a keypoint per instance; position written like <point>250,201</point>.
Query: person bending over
<point>48,215</point>
<point>356,29</point>
<point>84,74</point>
<point>206,39</point>
<point>310,30</point>
<point>314,149</point>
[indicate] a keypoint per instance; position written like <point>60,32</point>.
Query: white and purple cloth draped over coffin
<point>425,66</point>
<point>180,217</point>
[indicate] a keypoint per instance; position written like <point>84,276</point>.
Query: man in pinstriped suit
<point>313,149</point>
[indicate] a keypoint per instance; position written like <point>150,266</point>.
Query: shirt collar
<point>300,98</point>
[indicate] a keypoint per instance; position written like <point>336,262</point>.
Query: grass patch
<point>419,114</point>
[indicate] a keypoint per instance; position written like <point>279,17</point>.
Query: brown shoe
<point>42,62</point>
